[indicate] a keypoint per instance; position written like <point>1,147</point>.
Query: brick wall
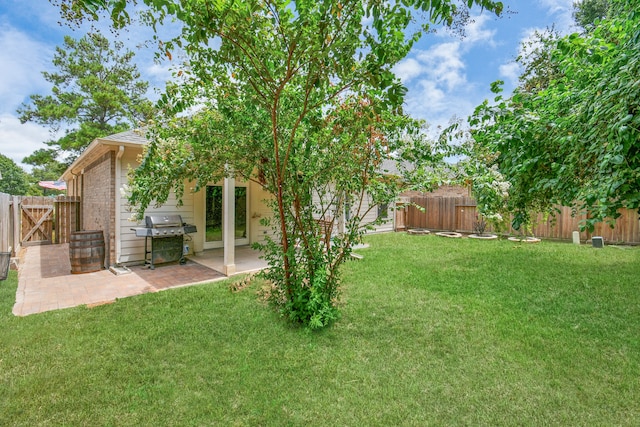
<point>98,201</point>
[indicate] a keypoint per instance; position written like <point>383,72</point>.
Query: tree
<point>587,12</point>
<point>574,140</point>
<point>13,179</point>
<point>300,97</point>
<point>537,62</point>
<point>96,91</point>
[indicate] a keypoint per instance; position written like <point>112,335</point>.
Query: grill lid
<point>157,221</point>
<point>164,226</point>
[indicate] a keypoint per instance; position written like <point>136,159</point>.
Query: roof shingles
<point>135,136</point>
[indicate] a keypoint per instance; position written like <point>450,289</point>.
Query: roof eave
<point>98,147</point>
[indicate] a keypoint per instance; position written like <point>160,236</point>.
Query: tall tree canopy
<point>96,91</point>
<point>299,96</point>
<point>575,139</point>
<point>13,180</point>
<point>587,12</point>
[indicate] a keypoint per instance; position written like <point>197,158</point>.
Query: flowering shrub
<point>491,192</point>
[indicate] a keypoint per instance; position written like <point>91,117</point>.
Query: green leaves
<point>570,132</point>
<point>300,97</point>
<point>496,87</point>
<point>14,179</point>
<point>96,92</point>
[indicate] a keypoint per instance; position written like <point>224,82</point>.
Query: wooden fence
<point>36,220</point>
<point>459,214</point>
<point>66,217</point>
<point>442,213</point>
<point>8,232</point>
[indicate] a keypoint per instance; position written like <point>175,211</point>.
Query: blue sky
<point>446,76</point>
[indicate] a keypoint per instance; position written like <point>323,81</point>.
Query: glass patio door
<point>214,216</point>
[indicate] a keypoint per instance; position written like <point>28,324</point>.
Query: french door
<point>214,217</point>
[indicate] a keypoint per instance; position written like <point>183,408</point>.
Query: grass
<point>434,331</point>
<point>214,234</point>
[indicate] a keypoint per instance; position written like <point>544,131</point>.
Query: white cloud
<point>17,140</point>
<point>476,33</point>
<point>510,72</point>
<point>157,75</point>
<point>437,105</point>
<point>444,65</point>
<point>430,96</point>
<point>23,60</point>
<point>440,88</point>
<point>42,14</point>
<point>407,69</point>
<point>555,6</point>
<point>562,12</point>
<point>24,57</point>
<point>444,62</point>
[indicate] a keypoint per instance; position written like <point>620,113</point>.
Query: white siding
<point>132,247</point>
<point>258,209</point>
<point>372,214</point>
<point>192,212</point>
<point>368,215</point>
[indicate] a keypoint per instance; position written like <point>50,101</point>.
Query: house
<point>226,214</point>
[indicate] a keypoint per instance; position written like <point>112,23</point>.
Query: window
<point>383,211</point>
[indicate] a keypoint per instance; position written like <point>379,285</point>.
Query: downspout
<point>76,191</point>
<point>394,210</point>
<point>118,202</point>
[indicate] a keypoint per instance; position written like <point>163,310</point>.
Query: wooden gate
<point>37,221</point>
<point>401,216</point>
<point>45,220</point>
<point>466,217</point>
<point>442,213</point>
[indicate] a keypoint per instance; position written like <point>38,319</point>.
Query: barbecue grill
<point>163,238</point>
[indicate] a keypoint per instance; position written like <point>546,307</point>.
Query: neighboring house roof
<point>390,167</point>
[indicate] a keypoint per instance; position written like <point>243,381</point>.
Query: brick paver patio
<point>45,281</point>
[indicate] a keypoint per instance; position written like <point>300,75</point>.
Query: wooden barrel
<point>86,251</point>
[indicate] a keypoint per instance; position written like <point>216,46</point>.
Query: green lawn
<point>434,331</point>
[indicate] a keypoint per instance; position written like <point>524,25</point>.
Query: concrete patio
<point>45,281</point>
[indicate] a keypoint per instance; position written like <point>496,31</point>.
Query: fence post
<point>17,223</point>
<point>5,222</point>
<point>66,218</point>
